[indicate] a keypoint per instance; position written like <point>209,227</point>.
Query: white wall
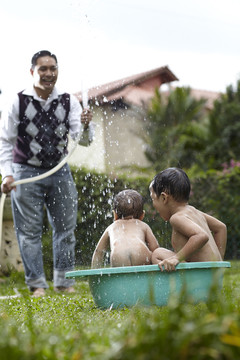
<point>117,142</point>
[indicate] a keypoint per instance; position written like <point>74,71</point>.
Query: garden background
<point>178,132</point>
<point>70,327</point>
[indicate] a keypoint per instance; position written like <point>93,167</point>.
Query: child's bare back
<point>195,220</point>
<point>131,242</point>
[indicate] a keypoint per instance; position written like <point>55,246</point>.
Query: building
<point>118,112</point>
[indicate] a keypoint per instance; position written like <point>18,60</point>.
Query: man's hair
<point>174,182</point>
<point>40,54</point>
<point>128,203</point>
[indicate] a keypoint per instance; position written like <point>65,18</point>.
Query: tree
<point>223,143</point>
<point>174,135</point>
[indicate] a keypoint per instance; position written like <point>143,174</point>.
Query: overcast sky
<point>97,41</point>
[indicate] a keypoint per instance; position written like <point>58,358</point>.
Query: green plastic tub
<point>147,285</point>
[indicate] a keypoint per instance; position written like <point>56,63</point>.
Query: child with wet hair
<point>196,236</point>
<point>131,241</point>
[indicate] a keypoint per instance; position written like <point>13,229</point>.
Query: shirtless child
<point>130,240</point>
<point>196,236</point>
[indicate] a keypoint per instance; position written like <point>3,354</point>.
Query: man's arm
<point>81,122</point>
<point>8,136</point>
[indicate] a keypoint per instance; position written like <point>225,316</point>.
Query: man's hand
<point>86,117</point>
<point>169,264</point>
<point>6,184</point>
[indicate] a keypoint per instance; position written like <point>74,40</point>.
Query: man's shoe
<point>38,292</point>
<point>68,290</point>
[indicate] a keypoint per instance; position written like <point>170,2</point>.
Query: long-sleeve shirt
<point>10,121</point>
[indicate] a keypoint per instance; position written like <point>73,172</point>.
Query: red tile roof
<point>209,96</point>
<point>133,89</point>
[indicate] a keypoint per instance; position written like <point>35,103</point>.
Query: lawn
<point>71,326</point>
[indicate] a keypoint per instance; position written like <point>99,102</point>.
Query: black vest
<point>42,135</point>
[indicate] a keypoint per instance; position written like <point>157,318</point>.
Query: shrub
<point>214,192</point>
<point>217,193</point>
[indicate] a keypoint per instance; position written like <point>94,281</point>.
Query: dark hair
<point>128,203</point>
<point>174,182</point>
<point>40,54</point>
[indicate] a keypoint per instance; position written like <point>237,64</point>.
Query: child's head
<point>174,182</point>
<point>128,203</point>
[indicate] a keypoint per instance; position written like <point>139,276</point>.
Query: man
<point>34,139</point>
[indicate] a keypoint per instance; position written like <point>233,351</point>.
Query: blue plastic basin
<point>147,285</point>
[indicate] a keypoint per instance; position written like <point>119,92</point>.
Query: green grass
<point>72,327</point>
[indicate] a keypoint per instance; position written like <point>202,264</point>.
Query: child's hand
<point>169,264</point>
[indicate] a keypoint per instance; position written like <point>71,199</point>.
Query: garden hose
<point>33,179</point>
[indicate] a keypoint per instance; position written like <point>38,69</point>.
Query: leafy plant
<point>224,129</point>
<point>217,193</point>
<point>174,133</point>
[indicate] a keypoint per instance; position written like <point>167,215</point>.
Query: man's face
<point>45,73</point>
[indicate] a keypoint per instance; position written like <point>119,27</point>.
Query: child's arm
<point>101,248</point>
<point>196,239</point>
<point>150,239</point>
<point>219,231</point>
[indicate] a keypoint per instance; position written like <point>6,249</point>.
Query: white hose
<point>17,294</point>
<point>2,201</point>
<point>33,179</point>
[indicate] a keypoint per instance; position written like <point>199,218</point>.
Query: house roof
<point>134,89</point>
<point>210,96</point>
